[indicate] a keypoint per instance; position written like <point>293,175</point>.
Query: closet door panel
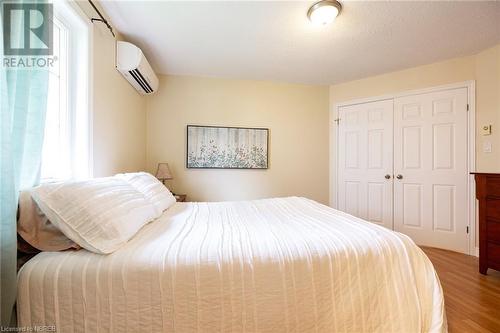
<point>430,155</point>
<point>365,158</point>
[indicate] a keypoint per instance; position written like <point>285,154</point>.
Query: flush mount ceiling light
<point>324,11</point>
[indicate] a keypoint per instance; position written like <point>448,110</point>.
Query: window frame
<point>79,89</point>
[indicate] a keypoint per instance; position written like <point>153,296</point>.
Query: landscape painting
<point>211,147</point>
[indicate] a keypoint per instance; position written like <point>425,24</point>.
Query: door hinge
<point>337,121</point>
<point>467,229</point>
<point>467,107</point>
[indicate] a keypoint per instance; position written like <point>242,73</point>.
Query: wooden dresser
<point>488,194</point>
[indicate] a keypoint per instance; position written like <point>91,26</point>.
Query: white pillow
<point>99,214</point>
<point>152,189</point>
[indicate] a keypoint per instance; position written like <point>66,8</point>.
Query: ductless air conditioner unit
<point>133,65</point>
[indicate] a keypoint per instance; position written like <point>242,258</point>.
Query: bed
<point>272,265</point>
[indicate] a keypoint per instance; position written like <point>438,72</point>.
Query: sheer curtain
<point>23,103</point>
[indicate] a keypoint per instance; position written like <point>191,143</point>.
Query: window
<point>66,146</point>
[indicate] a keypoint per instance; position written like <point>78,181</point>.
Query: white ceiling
<point>267,40</point>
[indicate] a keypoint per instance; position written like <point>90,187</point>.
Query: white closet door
<point>365,160</point>
<point>430,157</point>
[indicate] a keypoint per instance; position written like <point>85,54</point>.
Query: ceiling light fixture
<point>324,11</point>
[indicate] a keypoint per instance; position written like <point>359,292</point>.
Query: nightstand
<point>180,197</point>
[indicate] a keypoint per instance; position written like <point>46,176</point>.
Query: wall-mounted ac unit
<point>133,65</point>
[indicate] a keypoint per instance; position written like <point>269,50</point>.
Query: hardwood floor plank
<point>472,300</point>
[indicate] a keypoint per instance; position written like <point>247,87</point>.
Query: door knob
<point>387,176</point>
<point>399,176</point>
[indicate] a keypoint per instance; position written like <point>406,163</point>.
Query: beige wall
<point>484,68</point>
<point>119,112</point>
<point>297,116</point>
<point>119,115</point>
<point>487,70</point>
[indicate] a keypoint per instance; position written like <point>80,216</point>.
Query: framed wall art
<point>213,147</point>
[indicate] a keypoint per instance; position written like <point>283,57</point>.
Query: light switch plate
<point>486,147</point>
<point>486,130</point>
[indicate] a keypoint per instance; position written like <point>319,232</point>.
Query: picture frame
<point>227,147</point>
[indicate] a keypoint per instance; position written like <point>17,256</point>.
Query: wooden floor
<point>472,300</point>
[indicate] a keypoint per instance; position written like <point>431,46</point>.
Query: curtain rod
<point>101,19</point>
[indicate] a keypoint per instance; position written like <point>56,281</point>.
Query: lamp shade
<point>163,172</point>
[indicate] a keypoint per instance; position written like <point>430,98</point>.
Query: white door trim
<point>471,151</point>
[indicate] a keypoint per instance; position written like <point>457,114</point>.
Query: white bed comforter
<point>274,265</point>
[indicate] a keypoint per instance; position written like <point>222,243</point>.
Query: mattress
<point>272,265</point>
